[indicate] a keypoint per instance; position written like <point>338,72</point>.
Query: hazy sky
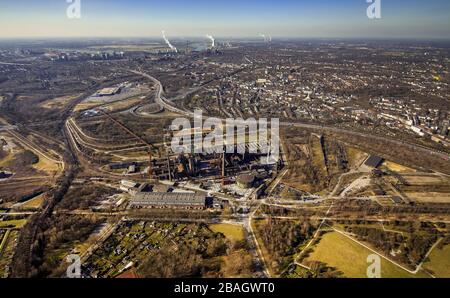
<point>239,18</point>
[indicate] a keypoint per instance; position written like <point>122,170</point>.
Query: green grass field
<point>18,223</point>
<point>231,232</point>
<point>439,262</point>
<point>3,238</point>
<point>350,258</point>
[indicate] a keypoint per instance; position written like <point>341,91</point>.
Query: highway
<point>166,104</point>
<point>159,99</point>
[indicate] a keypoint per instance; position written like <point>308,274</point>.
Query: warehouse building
<point>108,91</point>
<point>373,161</point>
<point>170,200</point>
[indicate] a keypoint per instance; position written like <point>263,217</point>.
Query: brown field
<point>34,203</point>
<point>138,154</point>
<point>123,104</point>
<point>86,106</point>
<point>231,232</point>
<point>304,148</point>
<point>44,164</point>
<point>4,162</point>
<point>395,167</point>
<point>318,156</point>
<point>57,103</point>
<point>15,189</point>
<point>424,180</point>
<point>429,197</point>
<point>48,166</point>
<point>355,157</point>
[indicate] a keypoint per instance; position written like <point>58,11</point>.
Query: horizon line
<point>251,37</point>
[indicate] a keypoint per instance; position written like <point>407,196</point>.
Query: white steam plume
<point>263,36</point>
<point>168,42</point>
<point>267,38</point>
<point>212,40</point>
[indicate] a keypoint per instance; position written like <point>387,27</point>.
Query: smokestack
<point>223,169</point>
<point>168,42</point>
<point>212,40</point>
<point>168,167</point>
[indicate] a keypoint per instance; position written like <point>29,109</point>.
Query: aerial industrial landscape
<point>89,170</point>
